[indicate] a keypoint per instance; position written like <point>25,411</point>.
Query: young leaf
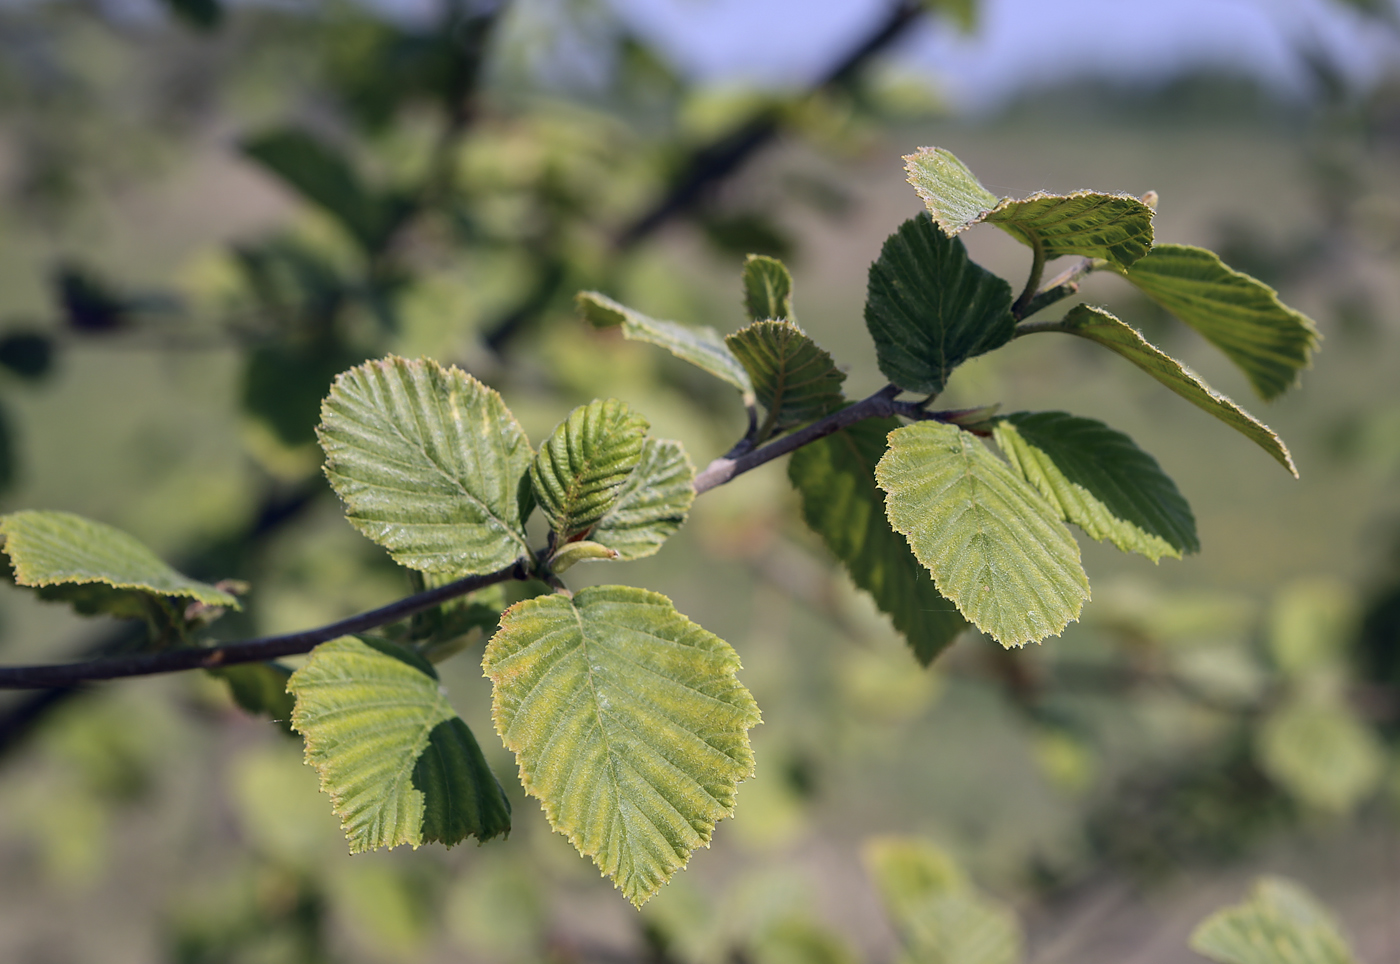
<point>794,379</point>
<point>994,546</point>
<point>52,548</point>
<point>1099,480</point>
<point>702,347</point>
<point>1270,342</point>
<point>1281,923</point>
<point>579,470</point>
<point>835,477</point>
<point>929,308</point>
<point>767,289</point>
<point>628,724</point>
<point>651,505</point>
<point>428,462</point>
<point>399,765</point>
<point>1102,327</point>
<point>1114,227</point>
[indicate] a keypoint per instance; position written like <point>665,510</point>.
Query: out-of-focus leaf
<point>767,289</point>
<point>580,469</point>
<point>283,387</point>
<point>995,547</point>
<point>1310,625</point>
<point>651,505</point>
<point>628,723</point>
<point>428,461</point>
<point>961,12</point>
<point>29,354</point>
<point>1100,480</point>
<point>1098,325</point>
<point>835,477</point>
<point>201,14</point>
<point>399,765</point>
<point>8,463</point>
<point>1281,923</point>
<point>89,303</point>
<point>1269,341</point>
<point>795,380</point>
<point>929,308</point>
<point>1321,754</point>
<point>798,941</point>
<point>261,689</point>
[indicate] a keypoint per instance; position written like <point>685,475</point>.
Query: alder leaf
<point>399,765</point>
<point>1281,923</point>
<point>1099,480</point>
<point>835,478</point>
<point>59,548</point>
<point>1102,327</point>
<point>1321,753</point>
<point>579,470</point>
<point>702,347</point>
<point>651,505</point>
<point>795,380</point>
<point>767,289</point>
<point>929,308</point>
<point>428,462</point>
<point>1269,341</point>
<point>995,547</point>
<point>628,725</point>
<point>1114,227</point>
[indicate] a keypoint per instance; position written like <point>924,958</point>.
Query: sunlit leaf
<point>1100,326</point>
<point>628,725</point>
<point>795,380</point>
<point>1270,342</point>
<point>428,462</point>
<point>835,477</point>
<point>767,289</point>
<point>53,548</point>
<point>995,547</point>
<point>702,347</point>
<point>1281,923</point>
<point>1099,480</point>
<point>1321,753</point>
<point>929,308</point>
<point>580,469</point>
<point>398,764</point>
<point>652,504</point>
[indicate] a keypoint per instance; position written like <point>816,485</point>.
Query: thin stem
<point>1018,310</point>
<point>248,651</point>
<point>1033,327</point>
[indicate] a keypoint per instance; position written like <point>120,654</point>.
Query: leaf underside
<point>995,547</point>
<point>1281,923</point>
<point>794,379</point>
<point>1100,326</point>
<point>428,462</point>
<point>767,289</point>
<point>651,505</point>
<point>1100,481</point>
<point>57,548</point>
<point>580,468</point>
<point>628,724</point>
<point>835,478</point>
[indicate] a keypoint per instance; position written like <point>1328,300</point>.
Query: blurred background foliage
<point>206,212</point>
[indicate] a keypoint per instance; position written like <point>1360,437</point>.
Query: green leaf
<point>1099,480</point>
<point>1281,923</point>
<point>1114,227</point>
<point>794,379</point>
<point>51,548</point>
<point>261,689</point>
<point>283,386</point>
<point>995,547</point>
<point>908,870</point>
<point>767,289</point>
<point>571,553</point>
<point>652,504</point>
<point>203,15</point>
<point>929,308</point>
<point>961,12</point>
<point>428,462</point>
<point>398,764</point>
<point>702,347</point>
<point>628,725</point>
<point>1269,341</point>
<point>835,477</point>
<point>1102,327</point>
<point>579,470</point>
<point>1322,754</point>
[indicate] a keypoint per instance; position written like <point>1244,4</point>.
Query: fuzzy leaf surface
<point>1099,480</point>
<point>795,380</point>
<point>652,504</point>
<point>929,308</point>
<point>579,470</point>
<point>1115,227</point>
<point>995,547</point>
<point>57,548</point>
<point>1281,923</point>
<point>702,347</point>
<point>835,478</point>
<point>399,765</point>
<point>428,462</point>
<point>767,289</point>
<point>628,724</point>
<point>1102,327</point>
<point>1269,341</point>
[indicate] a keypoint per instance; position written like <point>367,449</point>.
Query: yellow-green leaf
<point>795,380</point>
<point>1281,923</point>
<point>652,504</point>
<point>1321,753</point>
<point>580,469</point>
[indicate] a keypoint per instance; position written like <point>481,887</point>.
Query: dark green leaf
<point>795,380</point>
<point>283,387</point>
<point>767,289</point>
<point>29,354</point>
<point>260,688</point>
<point>462,796</point>
<point>581,467</point>
<point>652,504</point>
<point>201,14</point>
